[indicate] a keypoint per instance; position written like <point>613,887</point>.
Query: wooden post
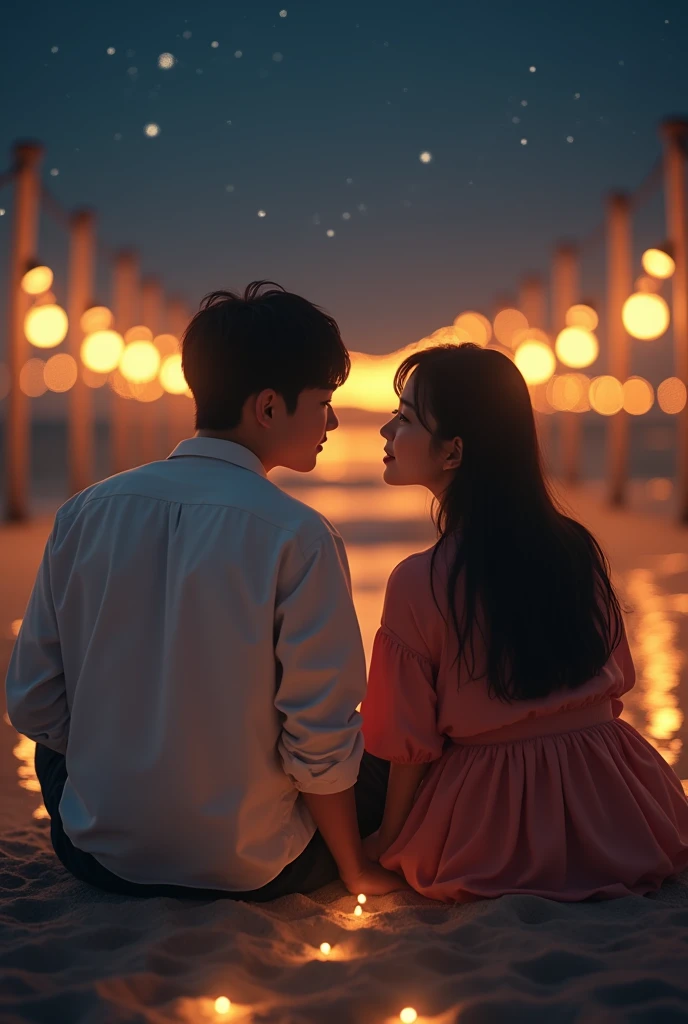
<point>619,287</point>
<point>80,427</point>
<point>564,295</point>
<point>675,135</point>
<point>152,312</point>
<point>125,286</point>
<point>27,159</point>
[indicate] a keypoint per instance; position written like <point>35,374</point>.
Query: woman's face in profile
<point>410,456</point>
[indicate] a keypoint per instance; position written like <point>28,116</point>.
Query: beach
<point>69,953</point>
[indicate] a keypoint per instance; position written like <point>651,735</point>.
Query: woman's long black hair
<point>539,579</point>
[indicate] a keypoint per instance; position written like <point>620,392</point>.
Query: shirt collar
<point>217,448</point>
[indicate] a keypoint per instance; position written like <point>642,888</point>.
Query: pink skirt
<point>571,806</point>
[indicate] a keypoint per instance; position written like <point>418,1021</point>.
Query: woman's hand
<point>373,880</point>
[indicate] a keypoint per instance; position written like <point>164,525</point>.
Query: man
<point>190,663</point>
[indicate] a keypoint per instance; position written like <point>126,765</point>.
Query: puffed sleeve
<point>400,708</point>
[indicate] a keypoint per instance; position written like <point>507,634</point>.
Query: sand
<point>69,953</point>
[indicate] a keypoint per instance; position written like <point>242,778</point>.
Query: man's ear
<point>454,455</point>
<point>265,406</point>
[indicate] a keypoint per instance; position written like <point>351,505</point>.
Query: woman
<point>497,673</point>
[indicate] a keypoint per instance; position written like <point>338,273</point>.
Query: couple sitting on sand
<point>190,663</point>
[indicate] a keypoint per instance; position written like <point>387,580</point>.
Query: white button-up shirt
<point>191,646</point>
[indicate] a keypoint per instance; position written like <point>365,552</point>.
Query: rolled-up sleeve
<point>35,685</point>
<point>322,676</point>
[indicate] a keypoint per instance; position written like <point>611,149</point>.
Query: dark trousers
<point>311,869</point>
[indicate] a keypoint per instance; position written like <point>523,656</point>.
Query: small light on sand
<point>325,948</point>
<point>151,130</point>
<point>358,911</point>
<point>238,53</point>
<point>111,51</point>
<point>330,233</point>
<point>532,69</point>
<point>166,60</point>
<point>524,142</point>
<point>425,157</point>
<point>283,14</point>
<point>15,626</point>
<point>362,898</point>
<point>214,44</point>
<point>569,138</point>
<point>222,1005</point>
<point>408,1015</point>
<point>262,213</point>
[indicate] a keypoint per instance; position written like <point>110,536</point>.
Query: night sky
<point>319,118</point>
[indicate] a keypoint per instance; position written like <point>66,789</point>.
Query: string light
<point>325,948</point>
<point>358,911</point>
<point>362,898</point>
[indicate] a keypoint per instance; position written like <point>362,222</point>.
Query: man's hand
<point>373,880</point>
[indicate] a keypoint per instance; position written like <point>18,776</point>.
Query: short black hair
<point>238,345</point>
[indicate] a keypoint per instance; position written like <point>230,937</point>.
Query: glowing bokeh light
<point>31,379</point>
<point>37,280</point>
<point>358,911</point>
<point>92,379</point>
<point>362,898</point>
<point>102,351</point>
<point>606,395</point>
<point>576,347</point>
<point>658,263</point>
<point>638,396</point>
<point>138,333</point>
<point>60,373</point>
<point>325,948</point>
<point>507,323</point>
<point>659,488</point>
<point>171,375</point>
<point>147,391</point>
<point>671,395</point>
<point>166,60</point>
<point>46,326</point>
<point>151,130</point>
<point>645,316</point>
<point>97,318</point>
<point>568,392</point>
<point>536,361</point>
<point>222,1005</point>
<point>477,326</point>
<point>166,344</point>
<point>425,157</point>
<point>140,362</point>
<point>408,1015</point>
<point>582,315</point>
<point>119,384</point>
<point>645,283</point>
